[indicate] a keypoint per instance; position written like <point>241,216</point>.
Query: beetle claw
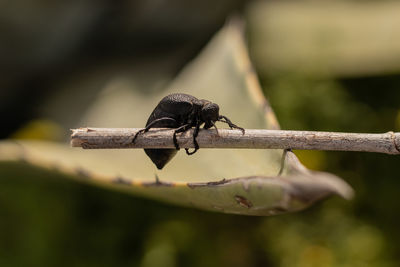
<point>136,135</point>
<point>191,153</point>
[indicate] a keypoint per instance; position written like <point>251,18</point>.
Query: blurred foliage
<point>47,222</point>
<point>39,129</point>
<point>359,105</point>
<point>46,46</point>
<point>347,38</point>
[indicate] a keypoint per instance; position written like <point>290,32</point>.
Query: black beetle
<point>182,112</point>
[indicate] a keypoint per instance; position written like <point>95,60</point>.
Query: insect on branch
<point>161,138</point>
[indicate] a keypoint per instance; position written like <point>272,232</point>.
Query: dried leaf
<point>248,182</point>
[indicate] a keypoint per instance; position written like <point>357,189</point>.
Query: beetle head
<point>209,114</point>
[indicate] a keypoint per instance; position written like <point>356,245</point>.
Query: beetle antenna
<point>224,119</point>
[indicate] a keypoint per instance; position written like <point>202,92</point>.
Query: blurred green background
<point>323,65</point>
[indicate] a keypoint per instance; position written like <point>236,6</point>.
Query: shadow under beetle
<point>182,112</point>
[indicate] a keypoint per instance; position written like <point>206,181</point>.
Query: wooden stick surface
<point>100,138</point>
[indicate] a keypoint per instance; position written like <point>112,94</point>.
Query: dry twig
<point>96,138</point>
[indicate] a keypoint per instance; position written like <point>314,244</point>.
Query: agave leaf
<point>248,182</point>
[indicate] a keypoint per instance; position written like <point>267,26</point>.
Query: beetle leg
<point>215,126</point>
<point>148,127</point>
<point>140,131</point>
<point>179,130</point>
<point>196,145</point>
<point>228,121</point>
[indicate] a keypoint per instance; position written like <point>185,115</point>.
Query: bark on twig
<point>96,138</point>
